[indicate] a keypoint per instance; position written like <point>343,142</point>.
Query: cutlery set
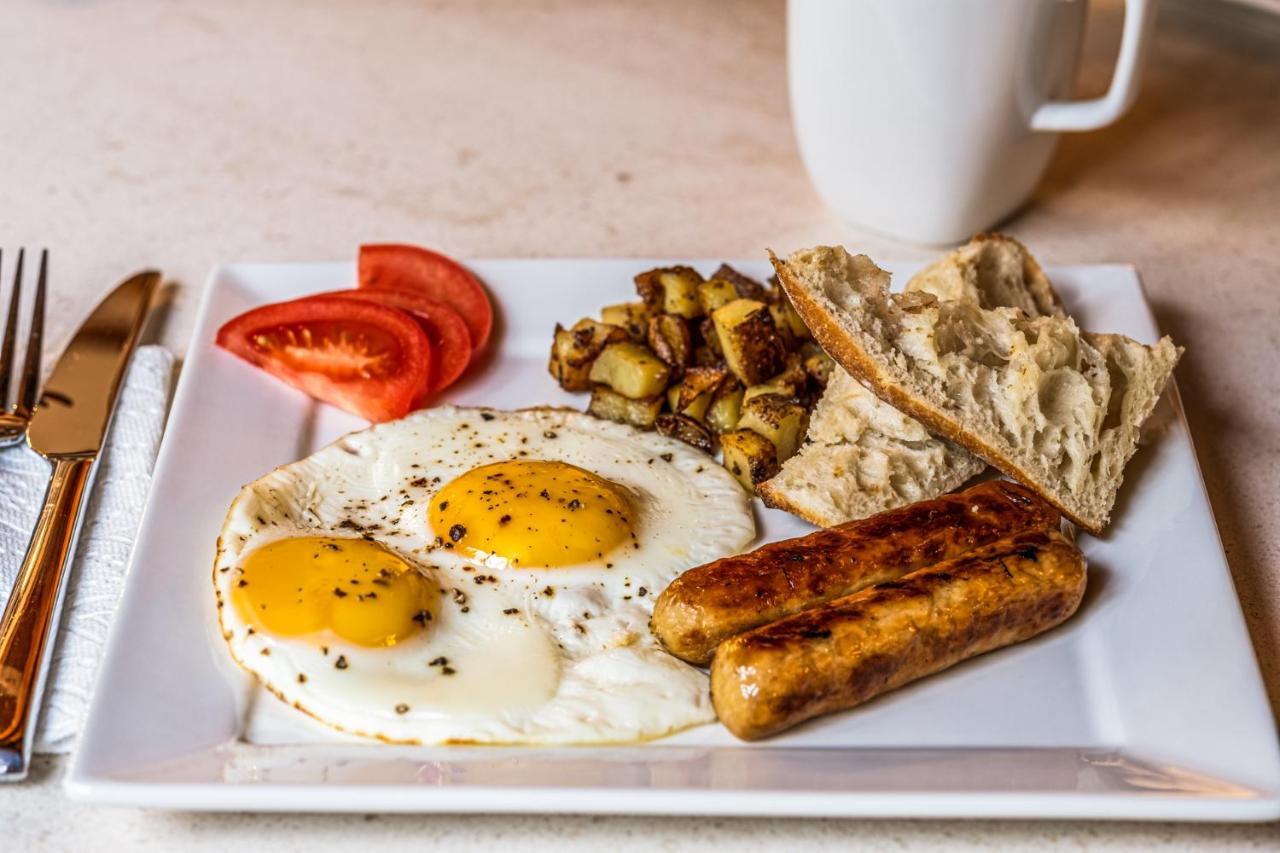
<point>66,423</point>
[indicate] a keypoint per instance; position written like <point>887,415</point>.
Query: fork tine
<point>29,385</point>
<point>10,336</point>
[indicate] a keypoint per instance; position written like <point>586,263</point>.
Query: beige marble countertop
<point>183,134</point>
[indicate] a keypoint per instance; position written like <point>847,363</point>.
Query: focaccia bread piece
<point>1054,407</point>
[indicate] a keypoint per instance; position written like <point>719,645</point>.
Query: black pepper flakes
<point>485,416</point>
<point>402,708</point>
<point>457,532</point>
<point>341,662</point>
<point>511,611</point>
<point>447,670</point>
<point>340,592</point>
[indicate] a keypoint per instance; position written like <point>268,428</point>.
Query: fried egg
<point>477,576</point>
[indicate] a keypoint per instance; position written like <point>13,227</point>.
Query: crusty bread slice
<point>993,270</point>
<point>862,456</point>
<point>1047,404</point>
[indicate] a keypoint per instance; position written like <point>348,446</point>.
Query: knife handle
<point>31,616</point>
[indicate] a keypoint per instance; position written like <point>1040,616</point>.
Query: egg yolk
<point>359,590</point>
<point>532,514</point>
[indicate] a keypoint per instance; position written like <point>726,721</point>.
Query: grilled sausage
<point>845,652</point>
<point>711,603</point>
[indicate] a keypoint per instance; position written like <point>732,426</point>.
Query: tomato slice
<point>369,359</point>
<point>446,330</point>
<point>392,266</point>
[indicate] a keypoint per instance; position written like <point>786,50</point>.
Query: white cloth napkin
<point>106,538</point>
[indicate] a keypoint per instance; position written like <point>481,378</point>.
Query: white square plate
<point>1147,704</point>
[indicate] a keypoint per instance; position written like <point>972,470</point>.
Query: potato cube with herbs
<point>750,457</point>
<point>746,287</point>
<point>725,409</point>
<point>714,293</point>
<point>612,406</point>
<point>693,395</point>
<point>686,429</point>
<point>788,320</point>
<point>752,346</point>
<point>631,369</point>
<point>817,364</point>
<point>780,419</point>
<point>670,340</point>
<point>573,350</point>
<point>775,388</point>
<point>632,316</point>
<point>670,290</point>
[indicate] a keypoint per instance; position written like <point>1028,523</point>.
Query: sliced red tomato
<point>446,330</point>
<point>391,266</point>
<point>372,360</point>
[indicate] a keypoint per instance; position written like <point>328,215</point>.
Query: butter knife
<point>67,428</point>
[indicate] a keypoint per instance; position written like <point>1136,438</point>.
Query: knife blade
<point>67,428</point>
<point>75,406</point>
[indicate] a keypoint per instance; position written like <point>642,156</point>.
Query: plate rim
<point>83,786</point>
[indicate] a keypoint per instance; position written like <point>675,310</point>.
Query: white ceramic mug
<point>934,119</point>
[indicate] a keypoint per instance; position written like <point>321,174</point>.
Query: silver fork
<point>15,416</point>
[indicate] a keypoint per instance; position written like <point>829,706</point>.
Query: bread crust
<point>718,600</point>
<point>847,651</point>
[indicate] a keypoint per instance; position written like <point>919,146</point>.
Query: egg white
<point>540,656</point>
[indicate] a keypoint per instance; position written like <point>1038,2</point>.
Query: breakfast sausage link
<point>845,652</point>
<point>711,603</point>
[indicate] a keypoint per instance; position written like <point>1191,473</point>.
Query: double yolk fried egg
<point>476,576</point>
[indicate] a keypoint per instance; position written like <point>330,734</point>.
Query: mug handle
<point>1094,113</point>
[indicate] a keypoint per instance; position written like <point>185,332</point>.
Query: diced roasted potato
<point>670,290</point>
<point>704,356</point>
<point>574,350</point>
<point>817,363</point>
<point>670,341</point>
<point>752,346</point>
<point>776,388</point>
<point>694,393</point>
<point>779,419</point>
<point>788,320</point>
<point>687,430</point>
<point>631,369</point>
<point>701,381</point>
<point>749,457</point>
<point>695,408</point>
<point>722,415</point>
<point>632,316</point>
<point>707,328</point>
<point>792,372</point>
<point>748,288</point>
<point>612,406</point>
<point>714,293</point>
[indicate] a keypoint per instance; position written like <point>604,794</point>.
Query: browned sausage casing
<point>710,603</point>
<point>846,651</point>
